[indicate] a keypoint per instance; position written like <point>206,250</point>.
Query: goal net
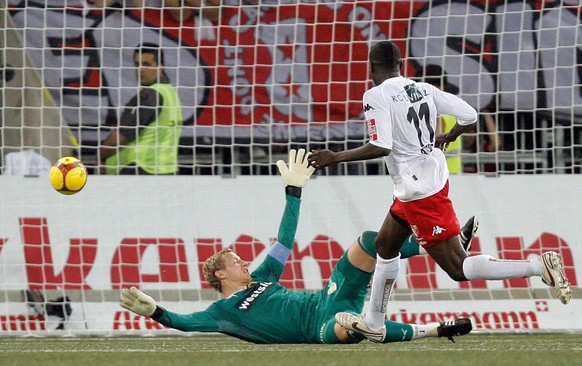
<point>255,80</point>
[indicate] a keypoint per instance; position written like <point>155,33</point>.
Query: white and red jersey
<point>401,115</point>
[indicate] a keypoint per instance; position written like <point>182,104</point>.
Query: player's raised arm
<point>295,175</point>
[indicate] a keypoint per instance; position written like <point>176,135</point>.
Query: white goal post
<point>254,83</point>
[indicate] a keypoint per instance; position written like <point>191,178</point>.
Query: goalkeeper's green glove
<point>299,170</point>
<point>136,301</point>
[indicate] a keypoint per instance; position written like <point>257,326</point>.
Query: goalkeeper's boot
<point>455,328</point>
<point>553,275</point>
<point>468,231</point>
<point>358,324</point>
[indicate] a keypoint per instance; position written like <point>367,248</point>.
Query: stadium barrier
<point>111,235</point>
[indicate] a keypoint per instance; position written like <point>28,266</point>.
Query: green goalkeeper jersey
<point>265,311</point>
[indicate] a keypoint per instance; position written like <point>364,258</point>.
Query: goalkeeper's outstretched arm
<point>136,301</point>
<point>295,175</point>
<point>139,303</point>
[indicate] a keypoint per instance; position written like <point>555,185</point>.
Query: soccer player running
<point>257,308</point>
<point>401,116</point>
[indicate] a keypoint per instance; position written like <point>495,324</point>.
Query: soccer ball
<point>68,175</point>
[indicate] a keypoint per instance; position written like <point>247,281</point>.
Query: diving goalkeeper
<point>258,309</point>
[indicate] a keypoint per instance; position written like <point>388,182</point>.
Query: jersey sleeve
<point>142,110</point>
<point>378,119</point>
<point>451,104</point>
<point>202,321</point>
<point>272,267</point>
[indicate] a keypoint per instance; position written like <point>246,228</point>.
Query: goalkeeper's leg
<point>410,248</point>
<point>401,332</point>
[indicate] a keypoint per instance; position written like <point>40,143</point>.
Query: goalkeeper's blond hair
<point>213,264</point>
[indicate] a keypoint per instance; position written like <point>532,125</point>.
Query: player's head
<point>149,60</point>
<point>385,61</point>
<point>226,267</point>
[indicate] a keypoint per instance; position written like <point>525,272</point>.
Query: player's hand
<point>136,301</point>
<point>442,141</point>
<point>321,158</point>
<point>298,172</point>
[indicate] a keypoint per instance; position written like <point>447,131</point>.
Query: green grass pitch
<point>475,349</point>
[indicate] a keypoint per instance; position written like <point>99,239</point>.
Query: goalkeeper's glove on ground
<point>299,170</point>
<point>136,301</point>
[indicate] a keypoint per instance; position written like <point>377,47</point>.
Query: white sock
<point>485,267</point>
<point>384,278</point>
<point>424,330</point>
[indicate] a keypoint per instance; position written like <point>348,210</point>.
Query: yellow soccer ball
<point>68,175</point>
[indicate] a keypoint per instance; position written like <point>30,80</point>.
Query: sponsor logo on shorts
<point>414,229</point>
<point>420,240</point>
<point>437,230</point>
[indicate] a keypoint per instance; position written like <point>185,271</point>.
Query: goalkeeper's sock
<point>366,242</point>
<point>410,247</point>
<point>485,267</point>
<point>385,275</point>
<point>399,332</point>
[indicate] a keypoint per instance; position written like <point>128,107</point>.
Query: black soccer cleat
<point>468,231</point>
<point>455,328</point>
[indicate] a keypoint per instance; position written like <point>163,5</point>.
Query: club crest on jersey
<point>331,288</point>
<point>372,129</point>
<point>413,92</point>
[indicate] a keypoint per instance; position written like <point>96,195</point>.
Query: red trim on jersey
<point>372,132</point>
<point>432,219</point>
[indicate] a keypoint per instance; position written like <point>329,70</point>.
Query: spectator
<point>146,141</point>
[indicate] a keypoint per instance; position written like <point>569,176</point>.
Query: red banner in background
<point>288,63</point>
<point>306,64</point>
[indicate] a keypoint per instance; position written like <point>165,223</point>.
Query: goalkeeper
<point>257,308</point>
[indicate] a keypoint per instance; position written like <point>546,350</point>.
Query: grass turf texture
<point>505,349</point>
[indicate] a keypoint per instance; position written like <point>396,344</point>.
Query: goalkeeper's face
<point>236,270</point>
